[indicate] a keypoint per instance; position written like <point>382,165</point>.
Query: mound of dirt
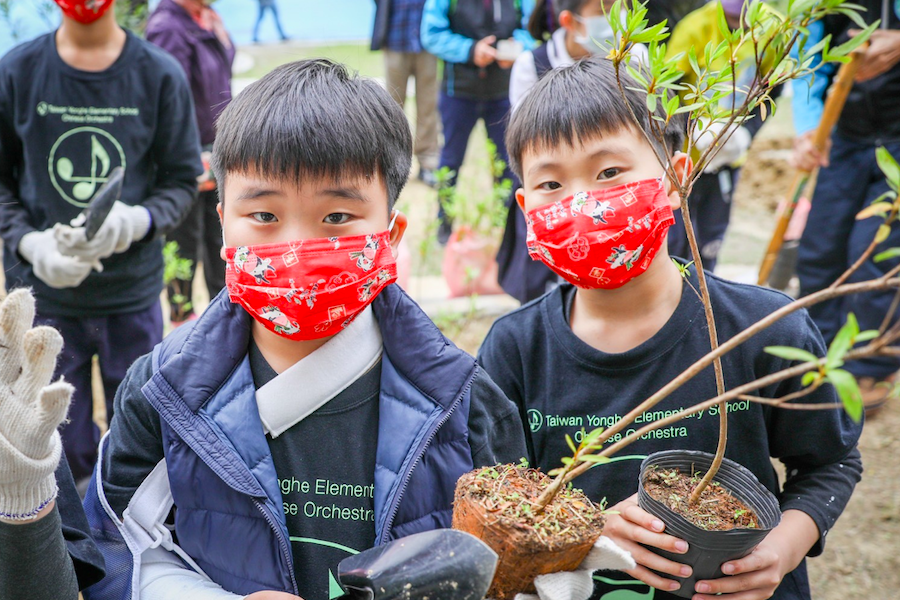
<point>766,176</point>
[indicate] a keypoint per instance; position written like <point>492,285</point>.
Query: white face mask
<point>597,31</point>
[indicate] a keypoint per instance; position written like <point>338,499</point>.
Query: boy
<point>599,207</point>
<point>74,105</point>
<point>305,426</point>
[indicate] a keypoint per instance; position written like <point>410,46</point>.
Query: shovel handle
<point>834,104</point>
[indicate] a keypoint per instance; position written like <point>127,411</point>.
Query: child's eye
<point>337,218</point>
<point>264,217</point>
<point>608,173</point>
<point>550,185</point>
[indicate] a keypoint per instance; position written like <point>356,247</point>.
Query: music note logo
<point>77,175</point>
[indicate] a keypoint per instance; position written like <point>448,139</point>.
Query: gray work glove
<point>49,264</point>
<point>124,225</point>
<point>31,410</point>
<point>579,584</point>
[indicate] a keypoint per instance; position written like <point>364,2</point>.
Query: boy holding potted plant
<point>629,320</point>
<point>313,410</point>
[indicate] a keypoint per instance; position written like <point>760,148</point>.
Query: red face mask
<point>84,11</point>
<point>601,239</point>
<point>310,289</point>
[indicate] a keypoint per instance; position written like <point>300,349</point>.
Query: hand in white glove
<point>31,408</point>
<point>579,584</point>
<point>729,151</point>
<point>50,266</point>
<point>123,226</point>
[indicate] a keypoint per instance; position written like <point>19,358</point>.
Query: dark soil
<point>717,509</point>
<point>509,493</point>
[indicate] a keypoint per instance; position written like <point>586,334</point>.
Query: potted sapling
<point>529,518</point>
<point>469,265</point>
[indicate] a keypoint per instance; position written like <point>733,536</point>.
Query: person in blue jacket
<point>850,180</point>
<point>465,34</point>
<point>313,410</point>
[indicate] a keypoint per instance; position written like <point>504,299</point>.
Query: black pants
<point>117,340</point>
<point>199,239</point>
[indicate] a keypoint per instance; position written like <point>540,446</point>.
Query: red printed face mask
<point>601,239</point>
<point>310,289</point>
<point>84,11</point>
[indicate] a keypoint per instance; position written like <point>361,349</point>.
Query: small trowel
<point>443,564</point>
<point>93,216</point>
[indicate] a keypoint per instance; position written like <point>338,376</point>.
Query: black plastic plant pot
<point>708,550</point>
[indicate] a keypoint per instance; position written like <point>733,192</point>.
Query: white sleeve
<point>164,577</point>
<point>522,78</point>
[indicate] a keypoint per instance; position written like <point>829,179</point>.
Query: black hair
<point>576,103</point>
<point>544,18</point>
<point>311,119</point>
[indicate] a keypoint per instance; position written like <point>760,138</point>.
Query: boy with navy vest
<point>598,208</point>
<point>314,410</point>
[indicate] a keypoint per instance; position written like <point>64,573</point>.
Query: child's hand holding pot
<point>634,526</point>
<point>757,575</point>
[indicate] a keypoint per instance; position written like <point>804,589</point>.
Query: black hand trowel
<point>443,564</point>
<point>96,212</point>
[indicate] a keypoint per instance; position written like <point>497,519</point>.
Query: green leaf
<point>887,254</point>
<point>875,209</point>
<point>855,42</point>
<point>571,443</point>
<point>809,377</point>
<point>883,232</point>
<point>865,336</point>
<point>848,391</point>
<point>651,103</point>
<point>566,460</point>
<point>789,353</point>
<point>593,435</point>
<point>888,166</point>
<point>842,343</point>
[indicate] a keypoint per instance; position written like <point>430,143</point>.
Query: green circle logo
<point>80,162</point>
<point>42,109</point>
<point>535,419</point>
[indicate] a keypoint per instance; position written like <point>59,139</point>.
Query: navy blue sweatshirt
<point>62,131</point>
<point>562,384</point>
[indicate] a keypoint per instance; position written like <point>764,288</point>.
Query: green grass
<point>356,55</point>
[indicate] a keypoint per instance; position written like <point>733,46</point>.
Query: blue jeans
<point>263,7</point>
<point>458,117</point>
<point>117,340</point>
<point>834,239</point>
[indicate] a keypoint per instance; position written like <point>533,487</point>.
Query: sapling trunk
<point>713,345</point>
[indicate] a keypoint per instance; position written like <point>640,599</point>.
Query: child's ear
<point>400,223</point>
<point>520,198</point>
<point>222,223</point>
<point>683,167</point>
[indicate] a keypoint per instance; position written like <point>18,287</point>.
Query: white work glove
<point>730,151</point>
<point>31,409</point>
<point>50,266</point>
<point>124,225</point>
<point>579,584</point>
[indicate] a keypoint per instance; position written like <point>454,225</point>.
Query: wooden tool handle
<point>834,104</point>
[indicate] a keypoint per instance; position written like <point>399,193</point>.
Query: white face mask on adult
<point>597,31</point>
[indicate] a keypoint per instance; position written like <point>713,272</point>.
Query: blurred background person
<point>192,32</point>
<point>396,34</point>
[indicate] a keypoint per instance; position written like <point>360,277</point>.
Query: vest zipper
<point>285,549</point>
<point>434,429</point>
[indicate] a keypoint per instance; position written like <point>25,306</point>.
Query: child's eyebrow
<point>345,193</point>
<point>255,193</point>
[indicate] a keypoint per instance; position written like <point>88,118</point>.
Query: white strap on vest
<point>143,523</point>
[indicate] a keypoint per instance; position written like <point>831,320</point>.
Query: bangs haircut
<point>314,119</point>
<point>576,103</point>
